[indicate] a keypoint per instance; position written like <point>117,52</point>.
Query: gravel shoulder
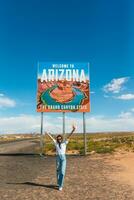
<point>92,177</point>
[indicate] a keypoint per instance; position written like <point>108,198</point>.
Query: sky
<point>100,32</point>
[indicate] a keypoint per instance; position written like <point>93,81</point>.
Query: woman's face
<point>59,139</point>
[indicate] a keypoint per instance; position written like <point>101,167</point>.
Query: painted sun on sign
<point>63,87</point>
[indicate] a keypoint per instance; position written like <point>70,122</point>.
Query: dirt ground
<point>94,177</point>
<point>125,162</point>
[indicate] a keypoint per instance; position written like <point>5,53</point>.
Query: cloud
<point>28,123</point>
<point>106,96</point>
<point>16,124</point>
<point>116,85</point>
<point>31,123</point>
<point>92,92</point>
<point>125,115</point>
<point>6,102</point>
<point>132,110</point>
<point>1,95</point>
<point>125,97</point>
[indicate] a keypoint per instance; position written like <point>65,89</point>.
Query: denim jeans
<point>61,169</point>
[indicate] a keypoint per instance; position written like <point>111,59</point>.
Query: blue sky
<point>100,32</point>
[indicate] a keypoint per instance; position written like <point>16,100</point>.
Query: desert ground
<point>95,176</point>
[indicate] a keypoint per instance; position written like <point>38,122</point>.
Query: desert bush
<point>101,146</point>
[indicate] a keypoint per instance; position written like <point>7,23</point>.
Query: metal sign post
<point>84,133</point>
<point>41,135</point>
<point>63,124</point>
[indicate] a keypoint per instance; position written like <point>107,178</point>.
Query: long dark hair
<point>61,139</point>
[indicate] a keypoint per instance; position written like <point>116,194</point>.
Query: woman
<point>60,145</point>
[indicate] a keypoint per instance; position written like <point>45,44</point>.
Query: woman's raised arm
<point>51,137</point>
<point>73,129</point>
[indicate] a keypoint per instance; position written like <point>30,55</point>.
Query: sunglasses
<point>59,138</point>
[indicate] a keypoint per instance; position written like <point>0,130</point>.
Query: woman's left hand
<point>74,127</point>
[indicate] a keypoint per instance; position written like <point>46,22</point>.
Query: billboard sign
<point>63,87</point>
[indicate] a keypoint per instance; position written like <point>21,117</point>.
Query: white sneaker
<point>60,188</point>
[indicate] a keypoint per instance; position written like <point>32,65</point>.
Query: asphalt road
<point>23,146</point>
<point>31,177</point>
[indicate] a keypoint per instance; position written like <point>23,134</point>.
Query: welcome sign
<point>63,87</point>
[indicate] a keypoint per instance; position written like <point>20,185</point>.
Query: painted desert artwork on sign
<point>63,87</point>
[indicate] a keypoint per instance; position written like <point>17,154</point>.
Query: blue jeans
<point>61,169</point>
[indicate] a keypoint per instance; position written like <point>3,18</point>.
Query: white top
<point>62,150</point>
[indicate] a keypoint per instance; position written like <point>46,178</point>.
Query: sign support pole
<point>63,124</point>
<point>84,133</point>
<point>41,135</point>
